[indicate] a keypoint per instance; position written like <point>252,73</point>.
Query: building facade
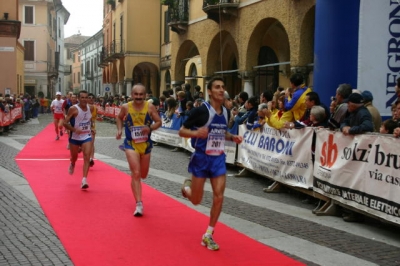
<point>64,70</point>
<point>72,58</point>
<point>11,51</point>
<point>91,73</point>
<point>131,49</point>
<point>39,38</point>
<point>255,45</point>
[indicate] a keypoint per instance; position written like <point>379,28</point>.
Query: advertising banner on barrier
<point>284,155</point>
<point>360,171</point>
<point>168,132</point>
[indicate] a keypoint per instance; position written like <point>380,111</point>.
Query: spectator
<point>317,116</point>
<point>394,114</point>
<point>189,108</point>
<point>396,132</point>
<point>281,116</point>
<point>260,121</point>
<point>359,120</point>
<point>251,113</point>
<point>35,107</point>
<point>339,106</point>
<point>161,108</point>
<point>27,107</point>
<point>2,104</point>
<point>376,116</point>
<point>172,106</point>
<point>295,102</point>
<point>198,102</point>
<point>181,102</point>
<point>388,126</point>
<point>312,99</point>
<point>201,96</point>
<point>197,90</point>
<point>266,96</point>
<point>242,98</point>
<point>228,101</point>
<point>188,94</point>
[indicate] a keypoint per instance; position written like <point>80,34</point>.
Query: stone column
<point>128,86</point>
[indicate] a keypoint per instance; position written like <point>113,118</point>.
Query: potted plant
<point>111,2</point>
<point>167,2</point>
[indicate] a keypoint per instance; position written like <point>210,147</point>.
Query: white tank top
<point>82,122</point>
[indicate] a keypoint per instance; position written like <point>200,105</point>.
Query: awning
<point>274,64</point>
<point>226,71</point>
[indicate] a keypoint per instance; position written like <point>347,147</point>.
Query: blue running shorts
<point>206,166</point>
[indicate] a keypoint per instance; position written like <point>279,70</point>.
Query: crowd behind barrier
<point>10,116</point>
<point>357,171</point>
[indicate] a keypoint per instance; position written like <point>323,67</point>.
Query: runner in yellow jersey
<point>141,118</point>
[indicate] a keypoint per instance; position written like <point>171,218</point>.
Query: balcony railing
<point>178,12</point>
<point>103,57</point>
<point>67,69</point>
<point>216,9</point>
<point>117,49</point>
<point>89,75</point>
<point>52,71</point>
<point>10,28</point>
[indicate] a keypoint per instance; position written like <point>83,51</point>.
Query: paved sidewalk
<point>279,220</point>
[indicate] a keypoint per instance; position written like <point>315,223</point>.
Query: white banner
<point>378,51</point>
<point>284,155</point>
<point>361,171</point>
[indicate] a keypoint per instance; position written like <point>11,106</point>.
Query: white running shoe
<point>139,210</point>
<point>84,184</point>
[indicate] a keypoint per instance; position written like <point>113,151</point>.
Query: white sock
<point>210,230</point>
<point>84,180</point>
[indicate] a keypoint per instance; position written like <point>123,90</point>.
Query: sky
<point>86,17</point>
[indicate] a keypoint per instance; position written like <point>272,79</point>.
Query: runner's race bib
<point>215,144</point>
<point>137,134</point>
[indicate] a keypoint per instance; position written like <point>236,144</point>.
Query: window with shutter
<point>29,50</point>
<point>28,15</point>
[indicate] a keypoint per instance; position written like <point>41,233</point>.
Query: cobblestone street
<point>280,220</point>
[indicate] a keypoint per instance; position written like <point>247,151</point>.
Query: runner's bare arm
<point>155,117</point>
<point>120,119</point>
<point>72,112</point>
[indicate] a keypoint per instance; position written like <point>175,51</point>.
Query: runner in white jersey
<point>79,122</point>
<point>58,114</point>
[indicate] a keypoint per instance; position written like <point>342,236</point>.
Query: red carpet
<point>97,227</point>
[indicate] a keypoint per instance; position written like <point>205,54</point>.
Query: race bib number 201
<point>215,144</point>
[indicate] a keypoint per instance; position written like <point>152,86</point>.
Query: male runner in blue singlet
<point>207,128</point>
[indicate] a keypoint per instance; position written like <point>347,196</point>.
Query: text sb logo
<point>329,152</point>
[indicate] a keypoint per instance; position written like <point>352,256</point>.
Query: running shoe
<point>71,168</point>
<point>57,138</point>
<point>121,147</point>
<point>61,133</point>
<point>186,183</point>
<point>209,242</point>
<point>139,210</point>
<point>84,184</point>
<point>91,163</point>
